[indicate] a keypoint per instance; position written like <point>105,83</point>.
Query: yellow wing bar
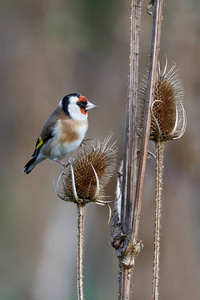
<point>40,143</point>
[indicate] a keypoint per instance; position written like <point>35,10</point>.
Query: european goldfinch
<point>63,132</point>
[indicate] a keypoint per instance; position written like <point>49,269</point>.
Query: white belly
<point>60,151</point>
<point>55,149</point>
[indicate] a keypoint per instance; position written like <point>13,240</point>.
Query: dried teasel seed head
<point>168,120</point>
<point>84,179</point>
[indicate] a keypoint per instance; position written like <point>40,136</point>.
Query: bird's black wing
<point>40,142</point>
<point>47,132</point>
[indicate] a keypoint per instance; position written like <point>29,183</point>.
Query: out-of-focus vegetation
<point>47,50</point>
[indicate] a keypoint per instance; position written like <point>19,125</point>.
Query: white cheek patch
<point>75,113</point>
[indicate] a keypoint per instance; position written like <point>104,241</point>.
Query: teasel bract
<point>168,122</point>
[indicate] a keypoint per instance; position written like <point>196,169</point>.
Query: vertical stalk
<point>155,46</point>
<point>127,217</point>
<point>130,142</point>
<point>80,246</point>
<point>125,282</point>
<point>130,148</point>
<point>159,175</point>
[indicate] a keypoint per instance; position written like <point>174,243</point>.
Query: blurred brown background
<point>47,50</point>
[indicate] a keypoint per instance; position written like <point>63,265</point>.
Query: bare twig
<point>156,259</point>
<point>80,246</point>
<point>123,214</point>
<point>130,146</point>
<point>127,216</point>
<point>155,45</point>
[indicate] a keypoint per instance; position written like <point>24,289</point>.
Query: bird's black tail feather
<point>30,165</point>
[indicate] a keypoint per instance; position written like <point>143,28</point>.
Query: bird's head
<point>76,106</point>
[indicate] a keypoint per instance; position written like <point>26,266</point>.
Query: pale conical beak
<point>90,106</point>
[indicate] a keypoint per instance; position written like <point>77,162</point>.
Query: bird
<point>63,132</point>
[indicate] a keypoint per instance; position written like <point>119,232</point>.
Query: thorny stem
<point>125,282</point>
<point>130,152</point>
<point>158,203</point>
<point>125,233</point>
<point>80,246</point>
<point>155,46</point>
<point>130,143</point>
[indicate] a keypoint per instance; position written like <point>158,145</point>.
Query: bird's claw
<point>84,142</point>
<point>64,164</point>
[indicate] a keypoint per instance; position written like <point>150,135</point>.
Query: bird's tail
<point>30,165</point>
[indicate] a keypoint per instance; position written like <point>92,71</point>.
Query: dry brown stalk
<point>155,46</point>
<point>123,212</point>
<point>127,213</point>
<point>168,123</point>
<point>157,226</point>
<point>80,246</point>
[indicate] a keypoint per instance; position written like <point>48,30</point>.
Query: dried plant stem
<point>80,246</point>
<point>126,217</point>
<point>125,282</point>
<point>129,162</point>
<point>155,46</point>
<point>159,176</point>
<point>130,143</point>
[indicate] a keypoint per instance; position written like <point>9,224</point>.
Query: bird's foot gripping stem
<point>64,164</point>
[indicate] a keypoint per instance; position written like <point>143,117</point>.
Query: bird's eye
<point>82,104</point>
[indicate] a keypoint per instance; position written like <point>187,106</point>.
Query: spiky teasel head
<point>84,179</point>
<point>168,120</point>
